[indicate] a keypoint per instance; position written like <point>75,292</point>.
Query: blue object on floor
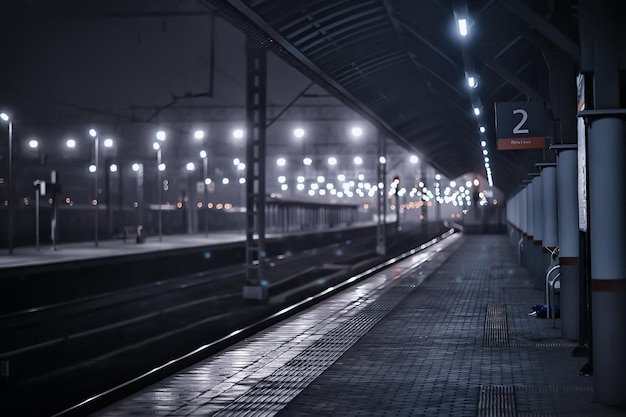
<point>541,310</point>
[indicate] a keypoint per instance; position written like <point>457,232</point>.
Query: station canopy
<point>426,73</point>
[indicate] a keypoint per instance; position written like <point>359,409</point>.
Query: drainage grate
<point>557,345</point>
<point>496,329</point>
<point>554,388</point>
<point>496,401</point>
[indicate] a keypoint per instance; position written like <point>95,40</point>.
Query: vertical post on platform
<point>567,192</point>
<point>255,287</point>
<point>94,135</point>
<point>528,242</point>
<point>608,244</point>
<point>11,194</point>
<point>381,202</point>
<point>55,188</point>
<point>550,224</point>
<point>37,185</point>
<point>523,228</point>
<point>601,52</point>
<point>538,257</point>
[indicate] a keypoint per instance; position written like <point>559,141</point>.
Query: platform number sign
<point>520,125</point>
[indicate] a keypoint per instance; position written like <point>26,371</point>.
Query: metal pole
<point>37,214</point>
<point>206,203</point>
<point>159,193</point>
<point>10,200</point>
<point>397,208</point>
<point>96,144</point>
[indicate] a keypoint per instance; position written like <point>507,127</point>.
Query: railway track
<point>96,342</point>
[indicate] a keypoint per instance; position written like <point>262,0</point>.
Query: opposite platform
<point>459,343</point>
<point>80,251</point>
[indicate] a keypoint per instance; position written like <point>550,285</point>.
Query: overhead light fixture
<point>482,129</point>
<point>476,111</point>
<point>462,26</point>
<point>472,82</point>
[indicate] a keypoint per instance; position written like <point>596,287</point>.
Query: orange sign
<point>509,144</point>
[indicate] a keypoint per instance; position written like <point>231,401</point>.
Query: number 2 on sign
<point>518,129</point>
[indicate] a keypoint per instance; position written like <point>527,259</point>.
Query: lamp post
<point>138,168</point>
<point>160,135</point>
<point>205,165</point>
<point>199,135</point>
<point>94,134</point>
<point>108,144</point>
<point>5,117</point>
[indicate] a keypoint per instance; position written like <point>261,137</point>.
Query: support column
<point>539,259</point>
<point>567,191</point>
<point>255,287</point>
<point>550,218</point>
<point>528,243</point>
<point>381,201</point>
<point>513,208</point>
<point>607,229</point>
<point>523,224</point>
<point>601,59</point>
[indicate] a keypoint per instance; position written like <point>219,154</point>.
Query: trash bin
<point>141,238</point>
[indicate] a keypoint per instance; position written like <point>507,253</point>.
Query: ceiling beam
<point>510,77</point>
<point>542,26</point>
<point>275,37</point>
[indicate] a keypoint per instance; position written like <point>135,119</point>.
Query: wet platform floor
<point>443,333</point>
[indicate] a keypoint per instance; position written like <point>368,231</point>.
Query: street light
<point>198,134</point>
<point>138,168</point>
<point>5,117</point>
<point>160,135</point>
<point>94,134</point>
<point>205,163</point>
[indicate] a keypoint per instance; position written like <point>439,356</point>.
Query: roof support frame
<point>274,37</point>
<point>545,28</point>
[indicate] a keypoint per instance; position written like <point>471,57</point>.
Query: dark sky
<point>118,63</point>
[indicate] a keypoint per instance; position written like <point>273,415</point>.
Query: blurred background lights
<point>298,132</point>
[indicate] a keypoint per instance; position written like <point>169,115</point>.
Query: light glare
<point>462,26</point>
<point>298,132</point>
<point>238,133</point>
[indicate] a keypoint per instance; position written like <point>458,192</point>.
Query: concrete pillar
<point>550,218</point>
<point>539,259</point>
<point>607,229</point>
<point>523,224</point>
<point>530,228</point>
<point>567,190</point>
<point>601,52</point>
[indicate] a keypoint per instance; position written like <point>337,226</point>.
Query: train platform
<point>446,332</point>
<point>80,251</point>
<point>70,252</point>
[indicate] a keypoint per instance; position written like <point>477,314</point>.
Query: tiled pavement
<point>459,343</point>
